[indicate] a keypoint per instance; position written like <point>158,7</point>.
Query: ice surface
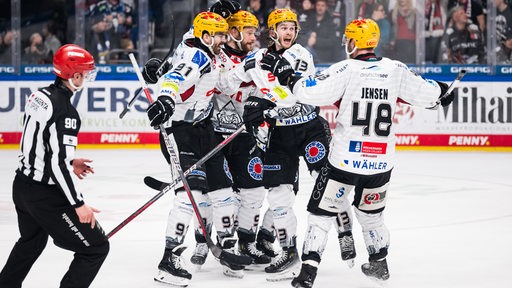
<point>449,214</point>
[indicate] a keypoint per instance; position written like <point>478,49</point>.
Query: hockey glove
<point>445,100</point>
<point>253,112</point>
<point>160,111</point>
<point>279,66</point>
<point>225,8</point>
<point>151,72</point>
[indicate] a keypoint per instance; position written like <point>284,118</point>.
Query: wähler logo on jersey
<point>315,151</point>
<point>255,168</point>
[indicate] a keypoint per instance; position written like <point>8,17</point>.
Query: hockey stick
<point>216,251</point>
<point>166,187</point>
<point>137,93</point>
<point>450,89</point>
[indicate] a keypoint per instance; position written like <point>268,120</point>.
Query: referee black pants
<point>44,211</point>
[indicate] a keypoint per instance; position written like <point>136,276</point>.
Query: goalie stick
<point>216,250</point>
<point>450,88</point>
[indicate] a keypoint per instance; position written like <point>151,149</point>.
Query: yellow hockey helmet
<point>209,22</point>
<point>242,19</point>
<point>281,15</point>
<point>365,32</point>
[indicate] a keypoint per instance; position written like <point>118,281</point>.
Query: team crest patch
<point>315,151</point>
<point>226,170</point>
<point>255,168</point>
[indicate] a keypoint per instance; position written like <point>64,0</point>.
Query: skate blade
<point>350,263</point>
<point>287,274</point>
<point>169,279</point>
<point>233,273</point>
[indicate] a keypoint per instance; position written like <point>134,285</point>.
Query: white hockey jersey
<point>191,83</point>
<point>364,138</point>
<point>287,113</point>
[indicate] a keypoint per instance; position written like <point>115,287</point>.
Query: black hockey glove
<point>225,8</point>
<point>151,72</point>
<point>279,66</point>
<point>253,112</point>
<point>160,111</point>
<point>447,99</point>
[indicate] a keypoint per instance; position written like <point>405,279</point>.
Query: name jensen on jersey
<point>374,93</point>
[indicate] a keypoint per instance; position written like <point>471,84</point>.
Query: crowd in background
<point>455,30</point>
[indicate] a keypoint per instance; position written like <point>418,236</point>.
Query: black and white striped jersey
<point>49,139</point>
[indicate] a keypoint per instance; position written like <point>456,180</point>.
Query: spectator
<point>306,12</point>
<point>435,24</point>
<point>6,48</point>
<point>51,41</point>
<point>36,52</point>
<point>379,15</point>
<point>365,9</point>
<point>474,10</point>
<point>403,18</point>
<point>99,38</point>
<point>321,38</point>
<point>503,20</point>
<point>504,51</point>
<point>463,40</point>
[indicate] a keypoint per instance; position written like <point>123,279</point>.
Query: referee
<point>44,195</point>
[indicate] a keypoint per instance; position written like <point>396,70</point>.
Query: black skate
<point>306,277</point>
<point>286,266</point>
<point>171,269</point>
<point>200,254</point>
<point>264,243</point>
<point>377,269</point>
<point>249,249</point>
<point>230,269</point>
<point>348,250</point>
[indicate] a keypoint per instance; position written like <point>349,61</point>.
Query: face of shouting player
<point>286,33</point>
<point>215,43</point>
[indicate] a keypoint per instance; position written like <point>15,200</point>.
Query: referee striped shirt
<point>49,139</point>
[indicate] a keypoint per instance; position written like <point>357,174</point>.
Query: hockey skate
<point>249,249</point>
<point>264,243</point>
<point>229,269</point>
<point>376,269</point>
<point>200,254</point>
<point>171,269</point>
<point>286,266</point>
<point>348,250</point>
<point>306,277</point>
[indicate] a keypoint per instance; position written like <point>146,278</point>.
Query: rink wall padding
<point>479,119</point>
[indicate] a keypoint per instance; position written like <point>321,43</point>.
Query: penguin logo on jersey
<point>226,170</point>
<point>255,168</point>
<point>315,151</point>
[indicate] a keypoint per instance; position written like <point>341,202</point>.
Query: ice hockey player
<point>185,99</point>
<point>294,131</point>
<point>363,144</point>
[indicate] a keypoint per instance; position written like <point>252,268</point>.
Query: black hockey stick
<point>137,92</point>
<point>450,88</point>
<point>166,187</point>
<point>216,250</point>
